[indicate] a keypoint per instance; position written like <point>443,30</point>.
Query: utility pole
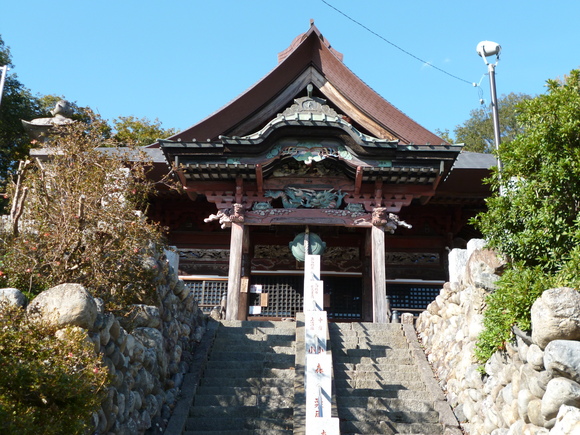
<point>4,70</point>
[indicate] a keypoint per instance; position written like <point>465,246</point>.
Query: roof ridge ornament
<point>310,105</point>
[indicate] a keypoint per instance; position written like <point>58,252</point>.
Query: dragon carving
<point>227,216</point>
<point>307,198</point>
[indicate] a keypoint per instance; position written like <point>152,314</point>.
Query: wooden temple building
<point>312,150</point>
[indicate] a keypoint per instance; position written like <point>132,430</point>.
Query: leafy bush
<point>79,218</point>
<point>510,306</point>
<point>533,219</point>
<point>48,385</point>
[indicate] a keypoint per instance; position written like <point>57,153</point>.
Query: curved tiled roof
<point>308,50</point>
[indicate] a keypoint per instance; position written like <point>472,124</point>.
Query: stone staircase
<point>379,387</point>
<point>248,381</point>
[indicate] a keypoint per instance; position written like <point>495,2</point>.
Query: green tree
<point>533,219</point>
<point>139,131</point>
<point>76,219</point>
<point>477,132</point>
<point>17,103</point>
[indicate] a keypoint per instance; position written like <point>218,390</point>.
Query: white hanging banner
<point>311,267</point>
<point>315,331</point>
<point>313,286</point>
<point>313,295</point>
<point>318,386</point>
<point>323,426</point>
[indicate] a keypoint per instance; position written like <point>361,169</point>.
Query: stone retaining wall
<point>533,387</point>
<point>147,352</point>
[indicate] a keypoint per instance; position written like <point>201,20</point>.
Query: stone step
<point>235,357</point>
<point>370,346</point>
<point>383,427</point>
<point>280,363</point>
<point>382,403</point>
<point>384,376</point>
<point>369,353</point>
<point>253,335</point>
<point>246,391</point>
<point>236,423</point>
<point>386,393</point>
<point>255,340</point>
<point>249,382</point>
<point>241,411</point>
<point>391,359</point>
<point>342,366</point>
<point>244,347</point>
<point>240,432</point>
<point>242,373</point>
<point>252,328</point>
<point>272,402</point>
<point>258,324</point>
<point>256,333</point>
<point>364,326</point>
<point>400,415</point>
<point>369,343</point>
<point>378,334</point>
<point>265,342</point>
<point>378,385</point>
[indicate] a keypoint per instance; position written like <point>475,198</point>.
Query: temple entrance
<point>281,296</point>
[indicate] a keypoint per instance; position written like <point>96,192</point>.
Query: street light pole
<point>4,70</point>
<point>494,111</point>
<point>485,49</point>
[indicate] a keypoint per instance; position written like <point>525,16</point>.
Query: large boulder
<point>563,358</point>
<point>141,316</point>
<point>457,260</point>
<point>65,304</point>
<point>556,316</point>
<point>12,296</point>
<point>560,391</point>
<point>483,269</point>
<point>567,422</point>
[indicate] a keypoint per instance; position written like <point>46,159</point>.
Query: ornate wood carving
<point>413,258</point>
<point>387,221</point>
<point>310,104</point>
<point>308,198</point>
<point>189,255</point>
<point>301,216</point>
<point>228,215</point>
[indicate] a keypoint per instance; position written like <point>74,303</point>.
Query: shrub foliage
<point>49,385</point>
<point>534,222</point>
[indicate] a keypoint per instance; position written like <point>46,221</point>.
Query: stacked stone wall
<point>533,386</point>
<point>146,351</point>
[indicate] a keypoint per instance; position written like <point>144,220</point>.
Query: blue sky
<point>179,61</point>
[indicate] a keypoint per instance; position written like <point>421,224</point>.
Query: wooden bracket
<point>259,179</point>
<point>239,189</point>
<point>378,192</point>
<point>358,180</point>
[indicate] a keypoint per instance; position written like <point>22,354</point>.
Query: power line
<point>395,45</point>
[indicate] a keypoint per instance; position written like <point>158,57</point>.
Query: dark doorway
<point>285,296</point>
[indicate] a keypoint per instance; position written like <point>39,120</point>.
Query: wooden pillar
<point>380,307</point>
<point>245,273</point>
<point>235,271</point>
<point>367,279</point>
